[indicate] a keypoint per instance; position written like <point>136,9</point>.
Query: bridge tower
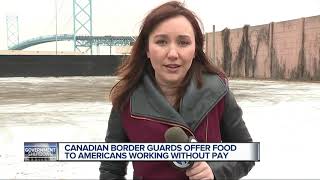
<point>82,25</point>
<point>12,31</point>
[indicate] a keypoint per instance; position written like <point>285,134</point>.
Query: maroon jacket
<point>210,114</point>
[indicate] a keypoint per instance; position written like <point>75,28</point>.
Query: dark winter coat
<point>210,114</point>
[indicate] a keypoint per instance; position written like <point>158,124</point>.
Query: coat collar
<point>147,101</point>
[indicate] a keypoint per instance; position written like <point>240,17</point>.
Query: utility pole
<point>213,44</point>
<point>56,10</point>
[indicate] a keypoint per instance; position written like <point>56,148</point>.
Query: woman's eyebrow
<point>160,36</point>
<point>184,37</point>
<point>166,36</point>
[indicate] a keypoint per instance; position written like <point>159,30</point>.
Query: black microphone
<point>177,135</point>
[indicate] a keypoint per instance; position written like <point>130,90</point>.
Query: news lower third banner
<point>84,151</point>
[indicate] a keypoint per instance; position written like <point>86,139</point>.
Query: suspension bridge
<point>82,37</point>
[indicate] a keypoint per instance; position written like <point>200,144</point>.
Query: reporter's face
<point>171,49</point>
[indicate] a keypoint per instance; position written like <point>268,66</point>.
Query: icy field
<point>283,116</point>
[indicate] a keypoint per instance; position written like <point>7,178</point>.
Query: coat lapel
<point>147,101</point>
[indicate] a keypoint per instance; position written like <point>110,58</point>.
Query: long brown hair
<point>131,71</point>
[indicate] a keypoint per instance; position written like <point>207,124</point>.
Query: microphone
<point>177,135</point>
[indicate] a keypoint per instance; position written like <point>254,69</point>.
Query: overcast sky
<point>123,17</point>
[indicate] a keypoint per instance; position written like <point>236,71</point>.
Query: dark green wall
<point>62,65</point>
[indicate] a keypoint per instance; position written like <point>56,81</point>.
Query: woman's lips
<point>172,67</point>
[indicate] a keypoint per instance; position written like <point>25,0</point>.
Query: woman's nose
<point>173,53</point>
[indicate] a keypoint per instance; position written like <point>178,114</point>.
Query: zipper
<point>207,129</point>
<point>162,122</point>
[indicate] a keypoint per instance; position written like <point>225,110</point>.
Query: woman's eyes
<point>161,42</point>
<point>179,42</point>
<point>183,43</point>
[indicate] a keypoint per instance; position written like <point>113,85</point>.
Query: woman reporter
<point>169,81</point>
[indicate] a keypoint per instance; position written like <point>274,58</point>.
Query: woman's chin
<point>173,80</point>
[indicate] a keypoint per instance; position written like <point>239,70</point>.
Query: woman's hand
<point>200,171</point>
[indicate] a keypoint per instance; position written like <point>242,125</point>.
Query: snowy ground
<point>283,116</point>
